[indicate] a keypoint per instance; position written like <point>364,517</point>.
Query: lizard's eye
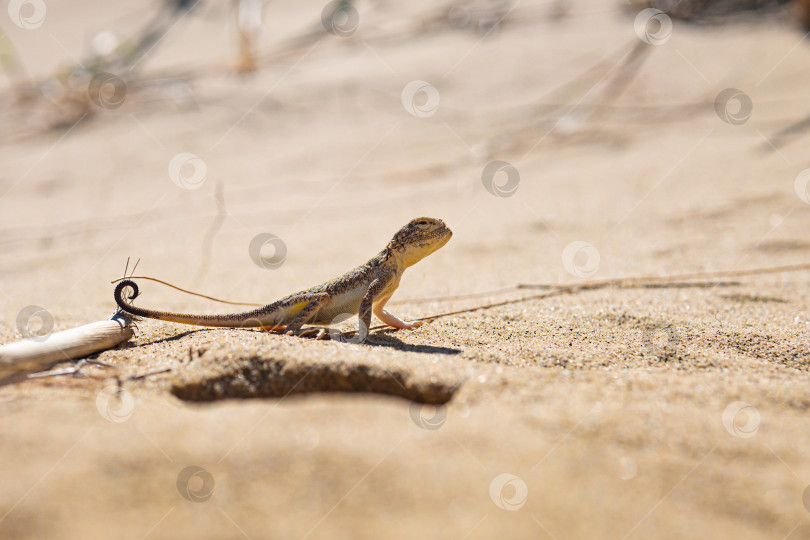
<point>423,222</point>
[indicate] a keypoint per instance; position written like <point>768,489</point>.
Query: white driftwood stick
<point>70,344</point>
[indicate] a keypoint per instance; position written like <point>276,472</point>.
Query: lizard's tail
<point>256,318</point>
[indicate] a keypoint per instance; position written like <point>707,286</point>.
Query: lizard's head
<point>418,239</point>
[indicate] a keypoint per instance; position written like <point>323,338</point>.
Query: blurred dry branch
<point>586,119</point>
<point>715,11</point>
<point>78,92</point>
<point>98,82</point>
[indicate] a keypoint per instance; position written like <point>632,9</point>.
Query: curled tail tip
<point>119,293</point>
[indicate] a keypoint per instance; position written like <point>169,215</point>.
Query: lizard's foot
<point>411,325</point>
<point>316,333</point>
<point>323,333</point>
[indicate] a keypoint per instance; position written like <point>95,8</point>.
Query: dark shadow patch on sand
<point>14,378</point>
<point>169,339</point>
<point>279,378</point>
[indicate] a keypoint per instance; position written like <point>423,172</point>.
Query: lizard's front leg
<point>375,291</point>
<point>392,320</point>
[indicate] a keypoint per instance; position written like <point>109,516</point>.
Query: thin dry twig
<point>213,229</point>
<point>148,374</point>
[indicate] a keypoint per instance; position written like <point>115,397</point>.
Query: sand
<point>667,412</point>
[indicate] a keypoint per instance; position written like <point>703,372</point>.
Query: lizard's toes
<point>414,325</point>
<point>306,332</point>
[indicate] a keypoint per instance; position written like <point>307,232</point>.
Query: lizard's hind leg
<point>314,303</point>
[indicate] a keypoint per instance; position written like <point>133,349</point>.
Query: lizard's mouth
<point>442,231</point>
<point>442,234</point>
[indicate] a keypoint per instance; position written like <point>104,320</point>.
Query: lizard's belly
<point>346,304</point>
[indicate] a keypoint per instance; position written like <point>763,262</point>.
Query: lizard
<point>360,291</point>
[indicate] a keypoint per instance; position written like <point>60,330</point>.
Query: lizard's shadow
<point>380,338</point>
<point>385,338</point>
<point>175,337</point>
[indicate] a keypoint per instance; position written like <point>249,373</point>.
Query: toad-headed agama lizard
<point>360,291</point>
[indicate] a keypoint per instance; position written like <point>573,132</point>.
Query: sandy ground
<point>668,412</point>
